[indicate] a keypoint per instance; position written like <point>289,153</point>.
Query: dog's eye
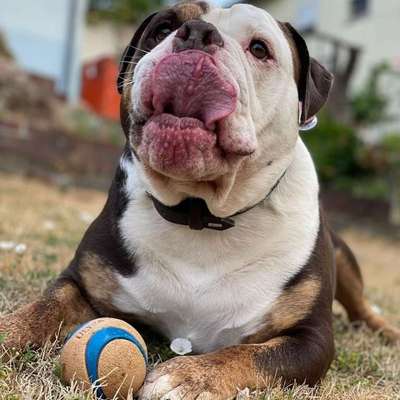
<point>162,32</point>
<point>259,50</point>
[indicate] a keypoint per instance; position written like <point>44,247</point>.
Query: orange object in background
<point>99,87</point>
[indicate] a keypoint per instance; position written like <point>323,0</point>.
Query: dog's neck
<point>194,213</point>
<point>291,211</point>
<point>300,176</point>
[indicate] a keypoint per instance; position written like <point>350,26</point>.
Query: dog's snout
<point>198,35</point>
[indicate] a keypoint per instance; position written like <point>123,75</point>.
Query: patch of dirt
<point>28,101</point>
<point>57,156</point>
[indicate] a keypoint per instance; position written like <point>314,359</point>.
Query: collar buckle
<point>219,224</point>
<point>200,218</point>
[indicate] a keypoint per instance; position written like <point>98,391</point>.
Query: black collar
<point>194,213</point>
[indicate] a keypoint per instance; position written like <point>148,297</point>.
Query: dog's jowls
<point>211,105</point>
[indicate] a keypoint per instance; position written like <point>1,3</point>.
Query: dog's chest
<point>216,288</point>
<point>208,305</point>
<point>211,288</point>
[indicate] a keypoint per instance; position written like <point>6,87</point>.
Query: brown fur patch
<point>97,278</point>
<point>216,375</point>
<point>293,48</point>
<point>221,374</point>
<point>62,306</point>
<point>188,11</point>
<point>294,305</point>
<point>350,292</point>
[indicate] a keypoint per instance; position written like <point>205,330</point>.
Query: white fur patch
<point>214,288</point>
<point>156,389</point>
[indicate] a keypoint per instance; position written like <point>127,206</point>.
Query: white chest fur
<point>215,288</point>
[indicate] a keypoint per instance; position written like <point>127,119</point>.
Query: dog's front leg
<point>61,306</point>
<point>304,358</point>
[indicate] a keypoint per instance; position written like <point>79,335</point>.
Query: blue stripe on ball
<point>75,331</point>
<point>98,341</point>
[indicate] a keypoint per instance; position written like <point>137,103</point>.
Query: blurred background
<point>59,108</point>
<point>60,140</point>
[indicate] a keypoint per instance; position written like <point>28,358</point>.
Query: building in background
<point>352,38</point>
<point>370,25</point>
<point>52,39</point>
<point>44,37</point>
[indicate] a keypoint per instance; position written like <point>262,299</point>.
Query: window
<point>359,8</point>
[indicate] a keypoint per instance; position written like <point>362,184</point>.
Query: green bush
<point>125,11</point>
<point>334,147</point>
<point>391,146</point>
<point>369,104</point>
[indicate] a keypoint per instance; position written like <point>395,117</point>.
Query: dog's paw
<point>195,377</point>
<point>15,330</point>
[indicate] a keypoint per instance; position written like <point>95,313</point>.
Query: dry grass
<point>51,221</point>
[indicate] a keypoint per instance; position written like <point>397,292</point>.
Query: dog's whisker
<point>129,62</point>
<point>125,83</point>
<point>128,77</point>
<point>126,73</point>
<point>137,48</point>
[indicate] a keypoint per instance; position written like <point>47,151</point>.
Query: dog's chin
<point>182,148</point>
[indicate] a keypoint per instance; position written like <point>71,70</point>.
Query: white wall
<point>377,33</point>
<point>44,37</point>
<point>283,10</point>
<point>36,32</point>
<point>104,39</point>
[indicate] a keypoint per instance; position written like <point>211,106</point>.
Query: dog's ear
<point>314,81</point>
<point>130,51</point>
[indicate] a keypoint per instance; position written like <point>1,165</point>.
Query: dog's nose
<point>197,35</point>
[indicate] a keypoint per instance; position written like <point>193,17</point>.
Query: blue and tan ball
<point>109,351</point>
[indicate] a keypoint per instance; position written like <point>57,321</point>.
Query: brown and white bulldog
<point>213,230</point>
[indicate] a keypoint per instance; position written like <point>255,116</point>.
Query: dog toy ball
<point>106,354</point>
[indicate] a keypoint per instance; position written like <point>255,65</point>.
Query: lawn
<point>45,223</point>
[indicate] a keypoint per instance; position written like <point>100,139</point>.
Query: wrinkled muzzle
<point>189,98</point>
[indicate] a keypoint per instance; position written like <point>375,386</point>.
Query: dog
<point>213,230</point>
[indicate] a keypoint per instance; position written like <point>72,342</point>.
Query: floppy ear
<point>130,51</point>
<point>314,81</point>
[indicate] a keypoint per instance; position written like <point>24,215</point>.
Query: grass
<point>50,221</point>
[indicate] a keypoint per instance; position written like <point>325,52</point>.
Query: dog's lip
<point>198,123</point>
<point>190,84</point>
<point>180,147</point>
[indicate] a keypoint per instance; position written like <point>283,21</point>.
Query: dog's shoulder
<point>101,255</point>
<point>306,299</point>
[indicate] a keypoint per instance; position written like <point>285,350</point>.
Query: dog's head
<point>210,101</point>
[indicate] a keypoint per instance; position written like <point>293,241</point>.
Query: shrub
<point>369,104</point>
<point>121,11</point>
<point>334,147</point>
